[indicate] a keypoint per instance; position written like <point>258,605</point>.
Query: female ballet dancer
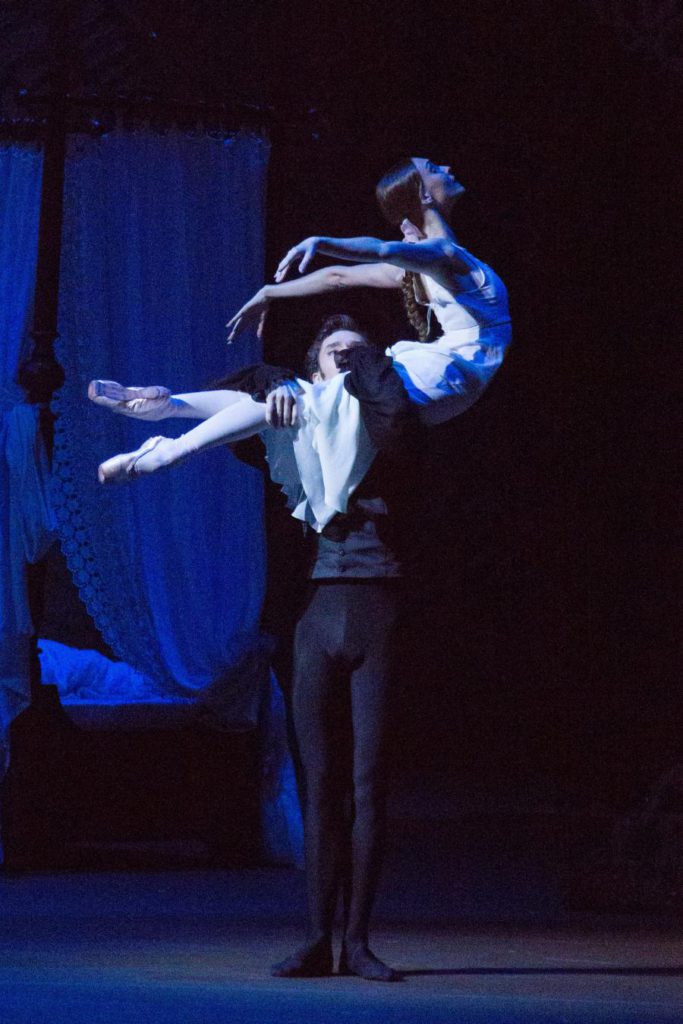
<point>322,461</point>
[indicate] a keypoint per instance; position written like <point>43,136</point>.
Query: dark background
<point>542,654</point>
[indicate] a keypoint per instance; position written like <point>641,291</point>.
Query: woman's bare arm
<point>367,275</point>
<point>440,258</point>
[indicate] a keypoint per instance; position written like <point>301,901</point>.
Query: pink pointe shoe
<point>150,403</point>
<point>122,467</point>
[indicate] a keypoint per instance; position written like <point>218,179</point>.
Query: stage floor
<point>193,946</point>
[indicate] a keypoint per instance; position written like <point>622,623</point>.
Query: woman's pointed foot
<point>314,961</point>
<point>125,466</point>
<point>150,403</point>
<point>359,960</point>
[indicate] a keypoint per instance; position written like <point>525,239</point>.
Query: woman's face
<point>438,183</point>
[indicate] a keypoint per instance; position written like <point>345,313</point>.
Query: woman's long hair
<point>398,194</point>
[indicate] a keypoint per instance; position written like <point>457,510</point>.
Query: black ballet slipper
<point>308,962</point>
<point>359,960</point>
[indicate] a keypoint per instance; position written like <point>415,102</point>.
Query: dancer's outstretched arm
<point>440,258</point>
<point>329,279</point>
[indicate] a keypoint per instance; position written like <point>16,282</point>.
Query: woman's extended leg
<point>241,417</point>
<point>157,403</point>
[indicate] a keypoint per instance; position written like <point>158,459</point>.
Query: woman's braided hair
<point>414,311</point>
<point>398,194</point>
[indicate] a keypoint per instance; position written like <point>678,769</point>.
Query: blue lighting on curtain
<point>163,237</point>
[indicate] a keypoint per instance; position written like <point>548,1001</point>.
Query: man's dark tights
<point>340,707</point>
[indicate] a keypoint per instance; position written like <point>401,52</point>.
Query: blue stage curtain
<point>163,240</point>
<point>25,518</point>
<point>20,177</point>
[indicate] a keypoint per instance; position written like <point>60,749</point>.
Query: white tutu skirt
<point>320,463</point>
<point>445,377</point>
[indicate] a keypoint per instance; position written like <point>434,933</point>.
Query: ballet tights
<point>341,703</point>
<point>227,416</point>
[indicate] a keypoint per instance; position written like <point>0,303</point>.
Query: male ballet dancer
<point>342,682</point>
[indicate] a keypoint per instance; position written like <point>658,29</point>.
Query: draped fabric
<point>163,239</point>
<point>25,519</point>
<point>27,529</point>
<point>20,177</point>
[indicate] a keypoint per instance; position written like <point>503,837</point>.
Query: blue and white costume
<point>445,377</point>
<point>321,462</point>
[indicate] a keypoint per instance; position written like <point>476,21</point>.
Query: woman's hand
<point>252,314</point>
<point>304,251</point>
<point>410,232</point>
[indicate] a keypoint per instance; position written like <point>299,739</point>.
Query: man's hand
<point>281,409</point>
<point>341,356</point>
<point>252,314</point>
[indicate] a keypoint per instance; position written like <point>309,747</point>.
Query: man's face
<point>339,341</point>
